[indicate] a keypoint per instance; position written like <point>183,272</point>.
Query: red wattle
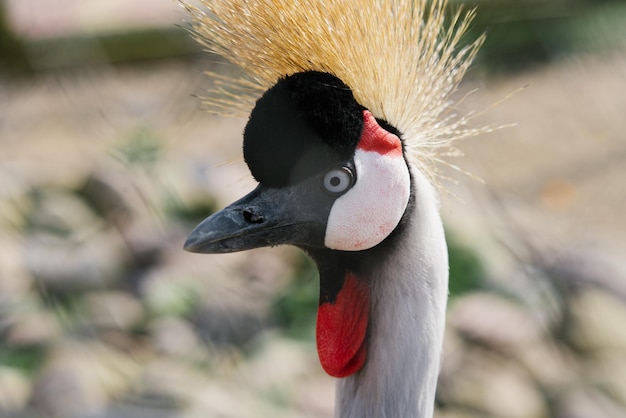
<point>376,139</point>
<point>341,329</point>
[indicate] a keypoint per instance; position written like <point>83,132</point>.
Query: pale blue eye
<point>338,180</point>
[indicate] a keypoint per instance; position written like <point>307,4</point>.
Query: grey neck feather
<point>409,292</point>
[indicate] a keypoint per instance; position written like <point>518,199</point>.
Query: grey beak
<point>265,217</point>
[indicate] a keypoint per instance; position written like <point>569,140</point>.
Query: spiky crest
<point>401,58</point>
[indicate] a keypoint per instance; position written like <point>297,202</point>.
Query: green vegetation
<point>295,308</point>
<point>27,359</point>
<point>466,271</point>
<point>141,148</point>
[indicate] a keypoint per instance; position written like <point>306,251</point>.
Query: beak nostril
<point>251,216</point>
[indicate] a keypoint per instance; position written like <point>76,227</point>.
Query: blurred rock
<point>265,270</point>
<point>510,393</point>
<point>102,191</point>
<point>60,211</point>
<point>138,408</point>
<point>598,321</point>
<point>131,206</point>
<point>15,391</point>
<point>69,391</point>
<point>33,327</point>
<point>493,320</point>
<point>224,399</point>
<point>457,413</point>
<point>113,310</point>
<point>582,268</point>
<point>453,356</point>
<point>495,387</point>
<point>315,397</point>
<point>170,380</point>
<point>174,337</point>
<point>15,280</point>
<point>66,265</point>
<point>586,403</point>
<point>81,378</point>
<point>225,325</point>
<point>14,200</point>
<point>278,365</point>
<point>549,363</point>
<point>145,243</point>
<point>607,370</point>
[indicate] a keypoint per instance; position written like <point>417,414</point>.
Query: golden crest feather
<point>402,58</point>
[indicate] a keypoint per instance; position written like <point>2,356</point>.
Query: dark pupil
<point>335,181</point>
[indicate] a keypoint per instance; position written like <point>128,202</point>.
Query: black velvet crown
<point>302,125</point>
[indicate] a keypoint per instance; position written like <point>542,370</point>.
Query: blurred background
<point>107,161</point>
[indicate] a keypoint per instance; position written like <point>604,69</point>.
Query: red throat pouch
<point>341,328</point>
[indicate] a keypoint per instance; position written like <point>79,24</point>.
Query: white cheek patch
<point>364,216</point>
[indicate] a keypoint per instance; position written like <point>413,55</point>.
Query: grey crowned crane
<point>348,104</point>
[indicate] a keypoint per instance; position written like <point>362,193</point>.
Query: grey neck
<point>409,291</point>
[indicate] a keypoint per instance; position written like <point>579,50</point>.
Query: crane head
<point>340,82</point>
<point>331,178</point>
<point>330,175</point>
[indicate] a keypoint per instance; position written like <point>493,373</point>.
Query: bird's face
<point>330,176</point>
<point>331,180</point>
